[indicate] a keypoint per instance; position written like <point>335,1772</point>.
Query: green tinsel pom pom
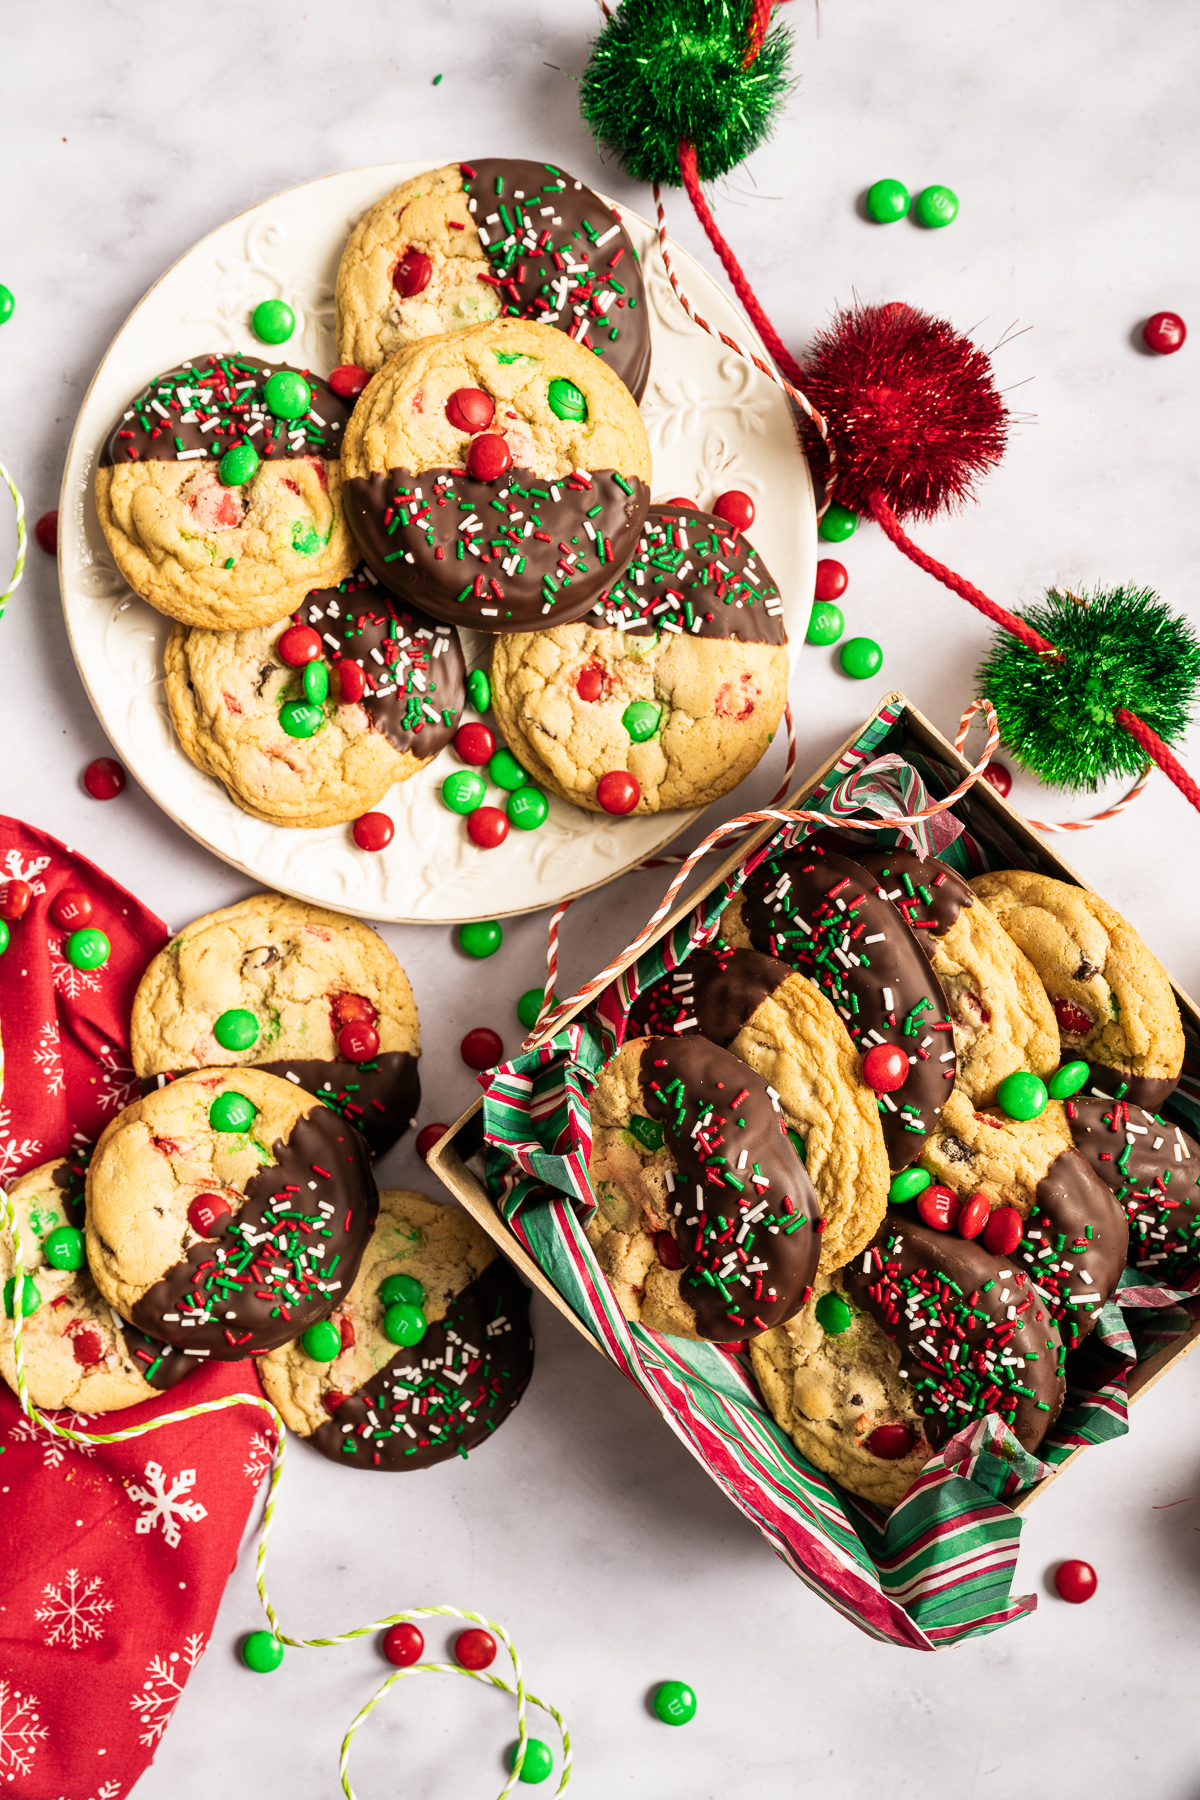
<point>1121,648</point>
<point>663,70</point>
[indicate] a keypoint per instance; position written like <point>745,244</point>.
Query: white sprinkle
<point>887,999</point>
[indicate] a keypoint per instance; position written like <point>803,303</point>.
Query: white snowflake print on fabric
<point>108,1790</point>
<point>54,1449</point>
<point>47,1058</point>
<point>20,1731</point>
<point>164,1686</point>
<point>73,1610</point>
<point>15,1152</point>
<point>17,870</point>
<point>119,1086</point>
<point>69,981</point>
<point>165,1505</point>
<point>258,1457</point>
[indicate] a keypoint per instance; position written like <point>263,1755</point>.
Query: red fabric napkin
<point>114,1556</point>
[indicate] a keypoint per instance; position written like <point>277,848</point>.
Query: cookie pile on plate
<point>232,1211</point>
<point>476,459</point>
<point>902,1134</point>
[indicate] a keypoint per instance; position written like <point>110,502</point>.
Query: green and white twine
<point>8,1223</point>
<point>19,565</point>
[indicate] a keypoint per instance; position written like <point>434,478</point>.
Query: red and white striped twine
<point>550,1014</point>
<point>1110,812</point>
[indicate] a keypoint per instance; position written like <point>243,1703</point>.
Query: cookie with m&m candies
<point>228,1211</point>
<point>309,721</point>
<point>497,477</point>
<point>424,1359</point>
<point>495,237</point>
<point>1153,1168</point>
<point>219,491</point>
<point>678,675</point>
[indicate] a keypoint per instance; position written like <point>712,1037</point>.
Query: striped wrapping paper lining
<point>937,1569</point>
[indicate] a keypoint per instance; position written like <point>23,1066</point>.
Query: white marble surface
<point>130,128</point>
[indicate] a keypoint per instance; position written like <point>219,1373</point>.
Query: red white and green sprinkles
<point>221,397</point>
<point>685,567</point>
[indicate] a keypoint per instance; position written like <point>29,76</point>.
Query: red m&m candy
<point>1075,1581</point>
<point>487,827</point>
<point>475,743</point>
<point>374,831</point>
<point>891,1442</point>
<point>351,681</point>
<point>298,645</point>
<point>475,1649</point>
<point>104,779</point>
<point>46,533</point>
<point>736,508</point>
<point>667,1250</point>
<point>88,1347</point>
<point>618,792</point>
<point>974,1216</point>
<point>352,1009</point>
<point>348,381</point>
<point>14,900</point>
<point>939,1206</point>
<point>831,579</point>
<point>885,1068</point>
<point>998,777</point>
<point>589,683</point>
<point>427,1137</point>
<point>206,1212</point>
<point>481,1048</point>
<point>403,1645</point>
<point>411,274</point>
<point>488,457</point>
<point>358,1042</point>
<point>71,909</point>
<point>1071,1018</point>
<point>1003,1231</point>
<point>1164,332</point>
<point>470,409</point>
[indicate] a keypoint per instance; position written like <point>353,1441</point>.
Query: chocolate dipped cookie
<point>679,673</point>
<point>1074,1237</point>
<point>497,477</point>
<point>219,491</point>
<point>76,1351</point>
<point>308,722</point>
<point>426,1357</point>
<point>227,1211</point>
<point>1111,997</point>
<point>706,1223</point>
<point>276,984</point>
<point>776,1021</point>
<point>1153,1168</point>
<point>493,237</point>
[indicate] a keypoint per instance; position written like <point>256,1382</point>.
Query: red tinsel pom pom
<point>912,406</point>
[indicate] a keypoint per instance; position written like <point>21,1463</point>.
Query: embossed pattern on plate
<point>714,422</point>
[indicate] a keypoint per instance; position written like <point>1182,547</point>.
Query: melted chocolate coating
<point>533,276</point>
<point>1149,1091</point>
<point>683,1081</point>
<point>481,1352</point>
<point>925,1288</point>
<point>715,993</point>
<point>228,414</point>
<point>819,911</point>
<point>155,1362</point>
<point>379,1098</point>
<point>1154,1170</point>
<point>691,572</point>
<point>411,683</point>
<point>283,1220</point>
<point>930,912</point>
<point>467,590</point>
<point>1077,1219</point>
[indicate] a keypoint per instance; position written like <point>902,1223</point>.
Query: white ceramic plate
<point>714,422</point>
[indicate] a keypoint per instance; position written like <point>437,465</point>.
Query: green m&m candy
<point>506,771</point>
<point>322,1341</point>
<point>527,808</point>
<point>316,682</point>
<point>566,401</point>
<point>907,1185</point>
<point>886,201</point>
<point>7,303</point>
<point>480,938</point>
<point>538,1762</point>
<point>838,524</point>
<point>287,394</point>
<point>1068,1080</point>
<point>3,936</point>
<point>401,1290</point>
<point>936,206</point>
<point>404,1323</point>
<point>648,1132</point>
<point>30,1298</point>
<point>87,949</point>
<point>65,1248</point>
<point>236,1029</point>
<point>640,719</point>
<point>261,1651</point>
<point>273,321</point>
<point>825,623</point>
<point>674,1703</point>
<point>479,690</point>
<point>232,1112</point>
<point>860,658</point>
<point>300,719</point>
<point>1022,1095</point>
<point>463,791</point>
<point>834,1313</point>
<point>237,466</point>
<point>798,1144</point>
<point>530,1005</point>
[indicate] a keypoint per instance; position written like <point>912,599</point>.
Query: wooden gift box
<point>985,814</point>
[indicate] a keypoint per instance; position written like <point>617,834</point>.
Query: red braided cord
<point>760,24</point>
<point>1154,747</point>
